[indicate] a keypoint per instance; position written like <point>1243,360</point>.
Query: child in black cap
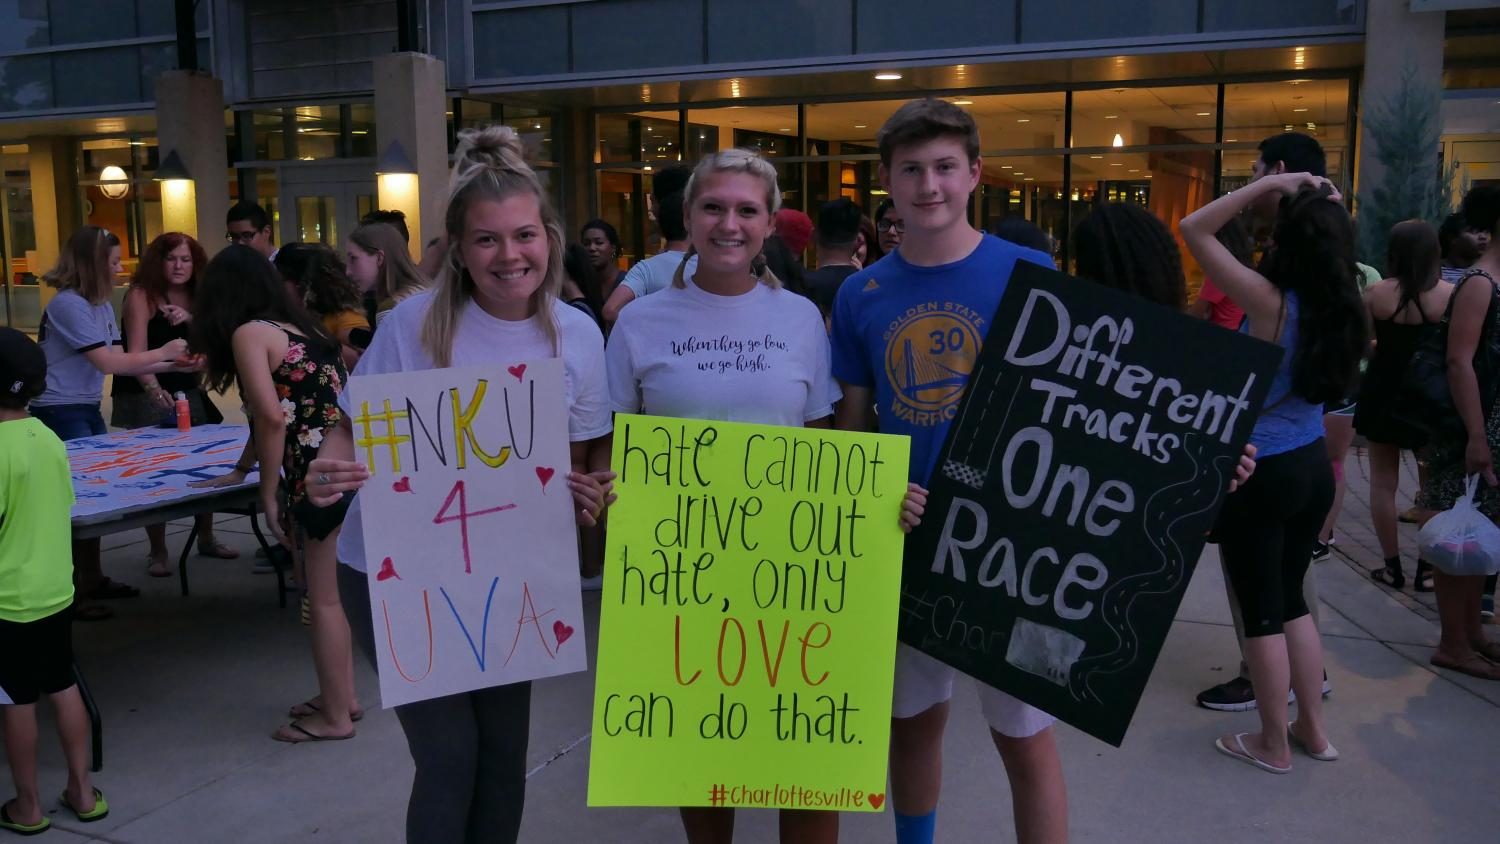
<point>36,595</point>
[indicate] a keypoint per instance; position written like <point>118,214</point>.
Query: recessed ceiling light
<point>1019,173</point>
<point>783,130</point>
<point>1133,170</point>
<point>1110,116</point>
<point>1028,179</point>
<point>1230,141</point>
<point>1204,113</point>
<point>1023,120</point>
<point>1096,156</point>
<point>1299,109</point>
<point>1116,164</point>
<point>859,126</point>
<point>963,102</point>
<point>647,168</point>
<point>888,76</point>
<point>1005,167</point>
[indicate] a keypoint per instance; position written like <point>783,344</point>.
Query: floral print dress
<point>308,383</point>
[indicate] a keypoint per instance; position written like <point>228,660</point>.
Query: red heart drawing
<point>876,800</point>
<point>387,570</point>
<point>518,370</point>
<point>544,475</point>
<point>562,631</point>
<point>403,485</point>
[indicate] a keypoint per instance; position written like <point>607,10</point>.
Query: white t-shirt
<point>482,339</point>
<point>656,273</point>
<point>762,356</point>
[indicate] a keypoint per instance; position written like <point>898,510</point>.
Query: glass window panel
<point>1140,116</point>
<point>840,128</point>
<point>890,25</point>
<point>702,139</point>
<point>752,32</point>
<point>669,33</point>
<point>79,21</point>
<point>25,83</point>
<point>270,135</point>
<point>156,59</point>
<point>622,204</point>
<point>1017,121</point>
<point>317,131</point>
<point>1081,20</point>
<point>25,25</point>
<point>99,77</point>
<point>476,113</point>
<point>773,129</point>
<point>1317,107</point>
<point>316,220</point>
<point>362,140</point>
<point>647,136</point>
<point>526,42</point>
<point>535,129</point>
<point>1220,17</point>
<point>1025,186</point>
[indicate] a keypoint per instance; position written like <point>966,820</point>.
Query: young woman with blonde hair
<point>379,262</point>
<point>494,301</point>
<point>81,341</point>
<point>728,204</point>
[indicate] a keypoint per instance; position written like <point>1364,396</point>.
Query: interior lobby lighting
<point>1028,179</point>
<point>859,126</point>
<point>1005,167</point>
<point>963,102</point>
<point>114,173</point>
<point>1023,120</point>
<point>1111,116</point>
<point>1096,156</point>
<point>1205,114</point>
<point>1299,109</point>
<point>1116,164</point>
<point>888,76</point>
<point>1133,170</point>
<point>1119,141</point>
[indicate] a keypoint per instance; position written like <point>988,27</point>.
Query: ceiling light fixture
<point>888,76</point>
<point>963,102</point>
<point>1119,141</point>
<point>1205,114</point>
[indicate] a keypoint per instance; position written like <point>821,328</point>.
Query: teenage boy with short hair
<point>36,596</point>
<point>932,300</point>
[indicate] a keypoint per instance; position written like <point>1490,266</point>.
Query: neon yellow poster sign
<point>748,621</point>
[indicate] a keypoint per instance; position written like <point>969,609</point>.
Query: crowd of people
<point>287,327</point>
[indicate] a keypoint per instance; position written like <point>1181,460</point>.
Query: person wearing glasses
<point>248,225</point>
<point>889,225</point>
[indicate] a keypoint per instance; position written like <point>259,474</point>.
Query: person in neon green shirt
<point>36,595</point>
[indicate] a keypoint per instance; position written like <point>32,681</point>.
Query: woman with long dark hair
<point>602,243</point>
<point>1304,298</point>
<point>1403,309</point>
<point>158,309</point>
<point>253,334</point>
<point>323,286</point>
<point>580,287</point>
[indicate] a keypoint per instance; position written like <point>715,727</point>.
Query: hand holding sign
<point>477,548</point>
<point>1083,470</point>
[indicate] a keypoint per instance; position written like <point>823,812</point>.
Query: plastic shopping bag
<point>1461,541</point>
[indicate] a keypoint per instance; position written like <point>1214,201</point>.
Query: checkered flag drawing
<point>966,475</point>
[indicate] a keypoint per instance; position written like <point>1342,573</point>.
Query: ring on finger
<point>322,477</point>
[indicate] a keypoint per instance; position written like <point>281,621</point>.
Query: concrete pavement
<point>192,687</point>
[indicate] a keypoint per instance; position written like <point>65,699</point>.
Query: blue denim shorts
<point>71,421</point>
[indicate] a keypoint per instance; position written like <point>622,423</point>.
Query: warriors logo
<point>929,352</point>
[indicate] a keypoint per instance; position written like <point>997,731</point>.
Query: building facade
<point>296,103</point>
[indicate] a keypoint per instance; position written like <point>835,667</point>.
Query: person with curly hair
<point>320,281</point>
<point>159,309</point>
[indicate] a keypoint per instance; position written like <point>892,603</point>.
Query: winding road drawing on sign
<point>1166,511</point>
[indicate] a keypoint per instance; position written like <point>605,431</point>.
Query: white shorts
<point>923,682</point>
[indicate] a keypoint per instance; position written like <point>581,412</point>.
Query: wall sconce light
<point>179,201</point>
<point>114,174</point>
<point>394,162</point>
<point>1119,141</point>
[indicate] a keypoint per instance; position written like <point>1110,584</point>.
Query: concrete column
<point>190,121</point>
<point>410,99</point>
<point>54,201</point>
<point>1396,39</point>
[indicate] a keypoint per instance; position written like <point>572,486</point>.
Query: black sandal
<point>1388,576</point>
<point>1422,581</point>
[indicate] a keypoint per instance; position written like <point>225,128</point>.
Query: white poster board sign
<point>468,527</point>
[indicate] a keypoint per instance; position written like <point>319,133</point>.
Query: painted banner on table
<point>150,467</point>
<point>748,619</point>
<point>1089,457</point>
<point>469,527</point>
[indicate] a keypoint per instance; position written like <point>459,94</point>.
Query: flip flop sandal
<point>1474,665</point>
<point>303,735</point>
<point>217,550</point>
<point>109,589</point>
<point>1328,754</point>
<point>98,813</point>
<point>307,707</point>
<point>1246,756</point>
<point>1422,580</point>
<point>1388,577</point>
<point>6,823</point>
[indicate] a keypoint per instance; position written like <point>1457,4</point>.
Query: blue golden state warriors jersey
<point>913,334</point>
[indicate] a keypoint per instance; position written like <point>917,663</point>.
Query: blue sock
<point>915,829</point>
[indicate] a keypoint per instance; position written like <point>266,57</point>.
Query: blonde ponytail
<point>490,165</point>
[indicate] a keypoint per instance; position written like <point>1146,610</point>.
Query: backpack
<point>1424,400</point>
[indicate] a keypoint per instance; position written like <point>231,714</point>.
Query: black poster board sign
<point>1087,462</point>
